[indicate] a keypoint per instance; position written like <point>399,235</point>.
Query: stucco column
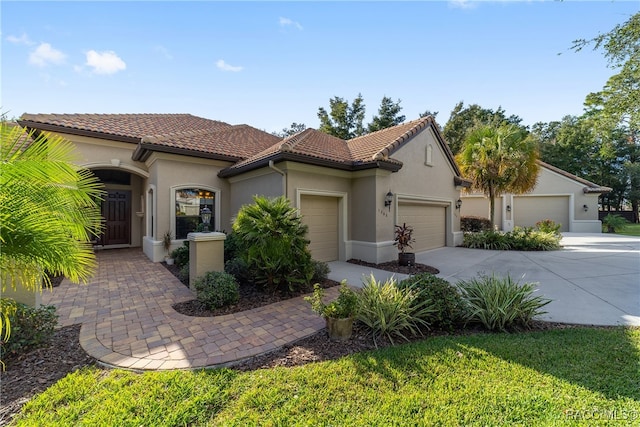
<point>30,297</point>
<point>206,253</point>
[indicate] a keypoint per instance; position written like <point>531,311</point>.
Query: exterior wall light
<point>205,214</point>
<point>585,207</point>
<point>388,199</point>
<point>458,204</point>
<point>508,208</point>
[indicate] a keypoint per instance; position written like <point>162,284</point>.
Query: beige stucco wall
<point>169,172</point>
<point>263,182</point>
<point>424,181</point>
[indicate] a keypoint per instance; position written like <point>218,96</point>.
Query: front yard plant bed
<point>251,296</point>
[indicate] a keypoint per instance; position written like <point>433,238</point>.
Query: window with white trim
<point>189,204</point>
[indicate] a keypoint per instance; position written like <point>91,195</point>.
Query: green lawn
<point>630,230</point>
<point>558,377</point>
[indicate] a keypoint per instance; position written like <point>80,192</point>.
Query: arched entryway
<point>122,208</point>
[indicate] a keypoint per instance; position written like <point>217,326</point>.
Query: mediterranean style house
<point>161,170</point>
<point>558,195</point>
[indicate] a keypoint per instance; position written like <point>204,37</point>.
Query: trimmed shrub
<point>29,326</point>
<point>320,271</point>
<point>444,299</point>
<point>276,245</point>
<point>181,255</point>
<point>500,304</point>
<point>548,226</point>
<point>217,289</point>
<point>390,311</point>
<point>474,224</point>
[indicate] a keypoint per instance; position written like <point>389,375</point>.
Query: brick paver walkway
<point>127,319</point>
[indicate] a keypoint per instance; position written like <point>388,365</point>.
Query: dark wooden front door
<point>116,211</point>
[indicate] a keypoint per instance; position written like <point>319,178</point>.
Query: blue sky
<point>269,64</point>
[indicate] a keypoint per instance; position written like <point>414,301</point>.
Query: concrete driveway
<point>593,280</point>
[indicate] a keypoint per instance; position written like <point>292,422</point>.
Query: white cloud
<point>227,67</point>
<point>45,55</point>
<point>163,51</point>
<point>23,39</point>
<point>462,4</point>
<point>105,62</point>
<point>286,22</point>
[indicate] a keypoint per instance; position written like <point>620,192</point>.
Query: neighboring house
<point>558,195</point>
<point>160,170</point>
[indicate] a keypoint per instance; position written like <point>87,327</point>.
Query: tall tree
<point>343,120</point>
<point>463,119</point>
<point>426,113</point>
<point>388,115</point>
<point>49,212</point>
<point>499,159</point>
<point>617,105</point>
<point>291,130</point>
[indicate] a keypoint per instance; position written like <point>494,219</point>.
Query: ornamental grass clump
<point>500,303</point>
<point>389,311</point>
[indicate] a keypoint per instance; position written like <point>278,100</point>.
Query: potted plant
<point>403,240</point>
<point>339,313</point>
<point>166,243</point>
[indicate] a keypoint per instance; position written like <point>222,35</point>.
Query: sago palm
<point>499,159</point>
<point>275,240</point>
<point>49,211</point>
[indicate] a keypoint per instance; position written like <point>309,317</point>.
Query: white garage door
<point>428,222</point>
<point>320,213</point>
<point>529,210</point>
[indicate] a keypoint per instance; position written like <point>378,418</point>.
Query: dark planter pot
<point>339,329</point>
<point>406,258</point>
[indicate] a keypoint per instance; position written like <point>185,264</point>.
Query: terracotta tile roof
<point>232,143</point>
<point>590,186</point>
<point>128,126</point>
<point>383,143</point>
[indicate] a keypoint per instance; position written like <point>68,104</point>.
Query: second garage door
<point>529,210</point>
<point>320,214</point>
<point>428,222</point>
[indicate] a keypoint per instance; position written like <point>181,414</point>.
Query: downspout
<point>284,177</point>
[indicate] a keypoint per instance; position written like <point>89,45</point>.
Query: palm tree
<point>49,211</point>
<point>499,159</point>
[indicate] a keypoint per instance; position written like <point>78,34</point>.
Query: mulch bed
<point>393,266</point>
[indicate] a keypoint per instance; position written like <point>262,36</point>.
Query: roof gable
<point>590,187</point>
